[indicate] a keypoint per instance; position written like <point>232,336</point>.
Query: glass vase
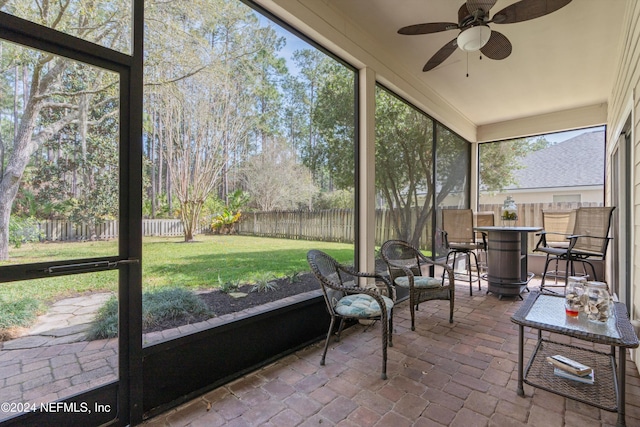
<point>598,302</point>
<point>573,295</point>
<point>509,212</point>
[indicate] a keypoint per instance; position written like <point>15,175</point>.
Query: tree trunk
<point>5,214</point>
<point>190,215</point>
<point>151,148</point>
<point>24,146</point>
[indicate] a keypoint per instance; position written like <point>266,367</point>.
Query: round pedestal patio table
<point>507,272</point>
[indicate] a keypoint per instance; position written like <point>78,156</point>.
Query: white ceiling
<point>561,61</point>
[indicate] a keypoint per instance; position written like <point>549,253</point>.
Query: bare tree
<point>275,180</point>
<point>203,130</point>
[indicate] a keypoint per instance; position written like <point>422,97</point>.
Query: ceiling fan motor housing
<point>474,38</point>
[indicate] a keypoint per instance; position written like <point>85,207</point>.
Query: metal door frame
<point>129,68</point>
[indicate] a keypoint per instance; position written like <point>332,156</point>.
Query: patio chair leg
<point>475,257</point>
<point>391,328</point>
<point>593,269</point>
<point>451,300</point>
<point>544,273</point>
<point>412,309</point>
<point>326,344</point>
<point>470,275</point>
<point>446,261</point>
<point>340,329</point>
<point>385,339</point>
<point>555,281</point>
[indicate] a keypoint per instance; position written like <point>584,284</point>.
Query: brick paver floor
<point>460,374</point>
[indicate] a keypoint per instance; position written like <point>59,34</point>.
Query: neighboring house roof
<point>576,162</point>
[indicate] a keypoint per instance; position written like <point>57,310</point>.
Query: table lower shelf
<point>602,394</point>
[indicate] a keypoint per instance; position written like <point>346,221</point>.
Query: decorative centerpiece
<point>509,212</point>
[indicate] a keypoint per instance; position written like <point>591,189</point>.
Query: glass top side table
<point>546,312</point>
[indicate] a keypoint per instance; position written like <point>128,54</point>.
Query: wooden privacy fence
<point>62,230</point>
<point>333,225</point>
<point>337,225</point>
<point>530,214</point>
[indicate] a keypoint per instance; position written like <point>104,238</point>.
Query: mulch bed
<point>221,303</point>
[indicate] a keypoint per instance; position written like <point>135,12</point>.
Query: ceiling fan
<point>475,34</point>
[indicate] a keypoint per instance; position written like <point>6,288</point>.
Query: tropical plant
<point>264,283</point>
<point>23,230</point>
<point>224,222</point>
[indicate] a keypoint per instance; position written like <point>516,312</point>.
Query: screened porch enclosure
<point>249,117</point>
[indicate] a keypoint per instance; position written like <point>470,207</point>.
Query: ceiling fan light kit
<point>474,38</point>
<point>475,33</point>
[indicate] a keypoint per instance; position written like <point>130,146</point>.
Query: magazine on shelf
<point>569,365</point>
<point>587,379</point>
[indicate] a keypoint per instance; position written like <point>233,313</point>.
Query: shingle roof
<point>576,162</point>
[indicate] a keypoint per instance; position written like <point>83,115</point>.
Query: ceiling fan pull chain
<point>467,64</point>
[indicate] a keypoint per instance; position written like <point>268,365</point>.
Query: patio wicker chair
<point>588,241</point>
<point>405,264</point>
<point>347,300</point>
<point>459,238</point>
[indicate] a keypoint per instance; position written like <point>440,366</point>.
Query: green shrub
<point>21,313</point>
<point>157,307</point>
<point>105,324</point>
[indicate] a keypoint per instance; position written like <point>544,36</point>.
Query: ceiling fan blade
<point>525,10</point>
<point>498,46</point>
<point>428,28</point>
<point>441,55</point>
<point>485,5</point>
<point>463,12</point>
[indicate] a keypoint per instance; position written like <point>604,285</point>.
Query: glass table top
<point>549,310</point>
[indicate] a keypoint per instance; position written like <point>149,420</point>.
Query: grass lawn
<point>207,263</point>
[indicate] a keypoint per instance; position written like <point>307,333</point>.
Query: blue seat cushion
<point>361,305</point>
<point>423,282</point>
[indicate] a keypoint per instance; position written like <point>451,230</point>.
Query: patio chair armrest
<point>446,267</point>
<point>573,239</point>
<point>576,236</point>
<point>445,238</point>
<point>449,271</point>
<point>376,276</point>
<point>555,233</point>
<point>431,261</point>
<point>406,269</point>
<point>542,242</point>
<point>485,235</point>
<point>428,261</point>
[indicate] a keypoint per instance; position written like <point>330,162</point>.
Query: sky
<point>293,43</point>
